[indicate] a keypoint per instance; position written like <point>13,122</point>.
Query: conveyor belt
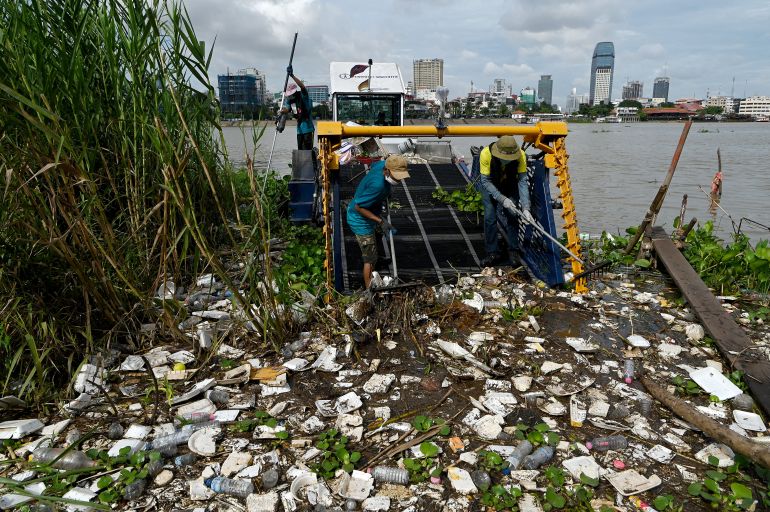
<point>433,242</point>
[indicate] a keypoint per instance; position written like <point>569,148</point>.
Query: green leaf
<point>585,479</point>
<point>643,263</point>
<point>282,434</point>
<point>711,485</point>
<point>694,489</point>
<point>348,467</point>
<point>554,499</point>
<point>741,492</point>
<point>717,476</point>
<point>445,430</point>
<point>428,449</point>
<point>662,502</point>
<point>542,427</point>
<point>355,457</point>
<point>104,482</point>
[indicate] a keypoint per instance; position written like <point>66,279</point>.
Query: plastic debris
<point>715,383</point>
<point>631,482</point>
<point>17,429</point>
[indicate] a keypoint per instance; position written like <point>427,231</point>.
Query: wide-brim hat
<point>506,148</point>
<point>290,89</point>
<point>397,165</point>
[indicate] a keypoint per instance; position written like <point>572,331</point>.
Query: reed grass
<point>113,178</point>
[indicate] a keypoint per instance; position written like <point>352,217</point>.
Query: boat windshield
<point>369,109</point>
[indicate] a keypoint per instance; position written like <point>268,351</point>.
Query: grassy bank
<point>111,183</point>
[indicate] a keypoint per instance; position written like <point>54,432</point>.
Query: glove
<point>528,217</point>
<point>290,70</point>
<point>387,227</point>
<point>508,204</point>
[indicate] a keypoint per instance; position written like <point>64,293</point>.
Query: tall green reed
<point>111,179</point>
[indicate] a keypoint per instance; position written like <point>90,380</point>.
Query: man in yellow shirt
<point>503,167</point>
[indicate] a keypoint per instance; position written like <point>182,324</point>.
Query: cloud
<point>468,55</point>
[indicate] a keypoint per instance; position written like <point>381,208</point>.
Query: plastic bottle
<point>154,467</point>
<point>481,479</point>
<point>518,455</point>
<point>193,417</point>
<point>181,436</point>
<point>628,371</point>
<point>218,396</point>
<point>73,459</point>
<point>645,406</point>
<point>73,436</point>
<point>602,444</point>
<point>229,486</point>
<point>115,431</point>
<point>538,457</point>
<point>135,489</point>
<point>743,402</point>
<point>618,412</point>
<point>391,475</point>
<point>184,460</point>
<point>270,479</point>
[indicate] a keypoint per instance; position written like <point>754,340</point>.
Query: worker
<point>296,95</point>
<point>503,168</point>
<point>365,209</point>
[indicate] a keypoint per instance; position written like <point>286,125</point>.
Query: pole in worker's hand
<point>283,97</point>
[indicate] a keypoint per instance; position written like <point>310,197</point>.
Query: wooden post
<point>657,202</point>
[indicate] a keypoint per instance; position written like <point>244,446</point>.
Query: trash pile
<point>488,394</point>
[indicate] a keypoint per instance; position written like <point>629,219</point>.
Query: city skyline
<point>700,46</point>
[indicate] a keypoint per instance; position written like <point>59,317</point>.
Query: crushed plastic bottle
<point>185,460</point>
<point>602,444</point>
<point>193,417</point>
<point>115,431</point>
<point>218,396</point>
<point>645,406</point>
<point>181,436</point>
<point>618,412</point>
<point>519,453</point>
<point>154,467</point>
<point>743,402</point>
<point>73,459</point>
<point>538,457</point>
<point>270,479</point>
<point>481,479</point>
<point>390,475</point>
<point>229,486</point>
<point>73,436</point>
<point>628,371</point>
<point>135,489</point>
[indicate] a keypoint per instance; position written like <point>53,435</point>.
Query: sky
<point>700,45</point>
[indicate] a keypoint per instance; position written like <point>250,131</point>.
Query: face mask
<point>391,180</point>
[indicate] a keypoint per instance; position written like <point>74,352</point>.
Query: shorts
<point>368,245</point>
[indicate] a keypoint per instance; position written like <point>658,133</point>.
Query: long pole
<point>283,97</point>
<point>657,202</point>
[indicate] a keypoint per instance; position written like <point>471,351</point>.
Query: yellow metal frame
<point>548,137</point>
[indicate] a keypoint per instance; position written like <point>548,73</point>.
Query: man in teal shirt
<point>366,206</point>
<point>300,98</point>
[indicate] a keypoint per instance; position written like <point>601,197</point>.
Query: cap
<point>397,166</point>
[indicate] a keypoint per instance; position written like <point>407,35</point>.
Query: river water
<point>616,170</point>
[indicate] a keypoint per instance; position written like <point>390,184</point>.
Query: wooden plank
<point>732,341</point>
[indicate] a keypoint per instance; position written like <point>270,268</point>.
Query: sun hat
<point>291,89</point>
<point>397,166</point>
<point>506,148</point>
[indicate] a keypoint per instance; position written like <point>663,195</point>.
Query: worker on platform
<point>503,176</point>
<point>365,209</point>
<point>297,96</point>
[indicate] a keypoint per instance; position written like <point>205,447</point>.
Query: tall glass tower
<point>660,89</point>
<point>602,67</point>
<point>545,89</point>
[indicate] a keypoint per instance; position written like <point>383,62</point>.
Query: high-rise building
<point>602,68</point>
<point>660,87</point>
<point>241,92</point>
<point>574,100</point>
<point>318,93</point>
<point>755,106</point>
<point>528,96</point>
<point>545,89</point>
<point>633,90</point>
<point>428,73</point>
